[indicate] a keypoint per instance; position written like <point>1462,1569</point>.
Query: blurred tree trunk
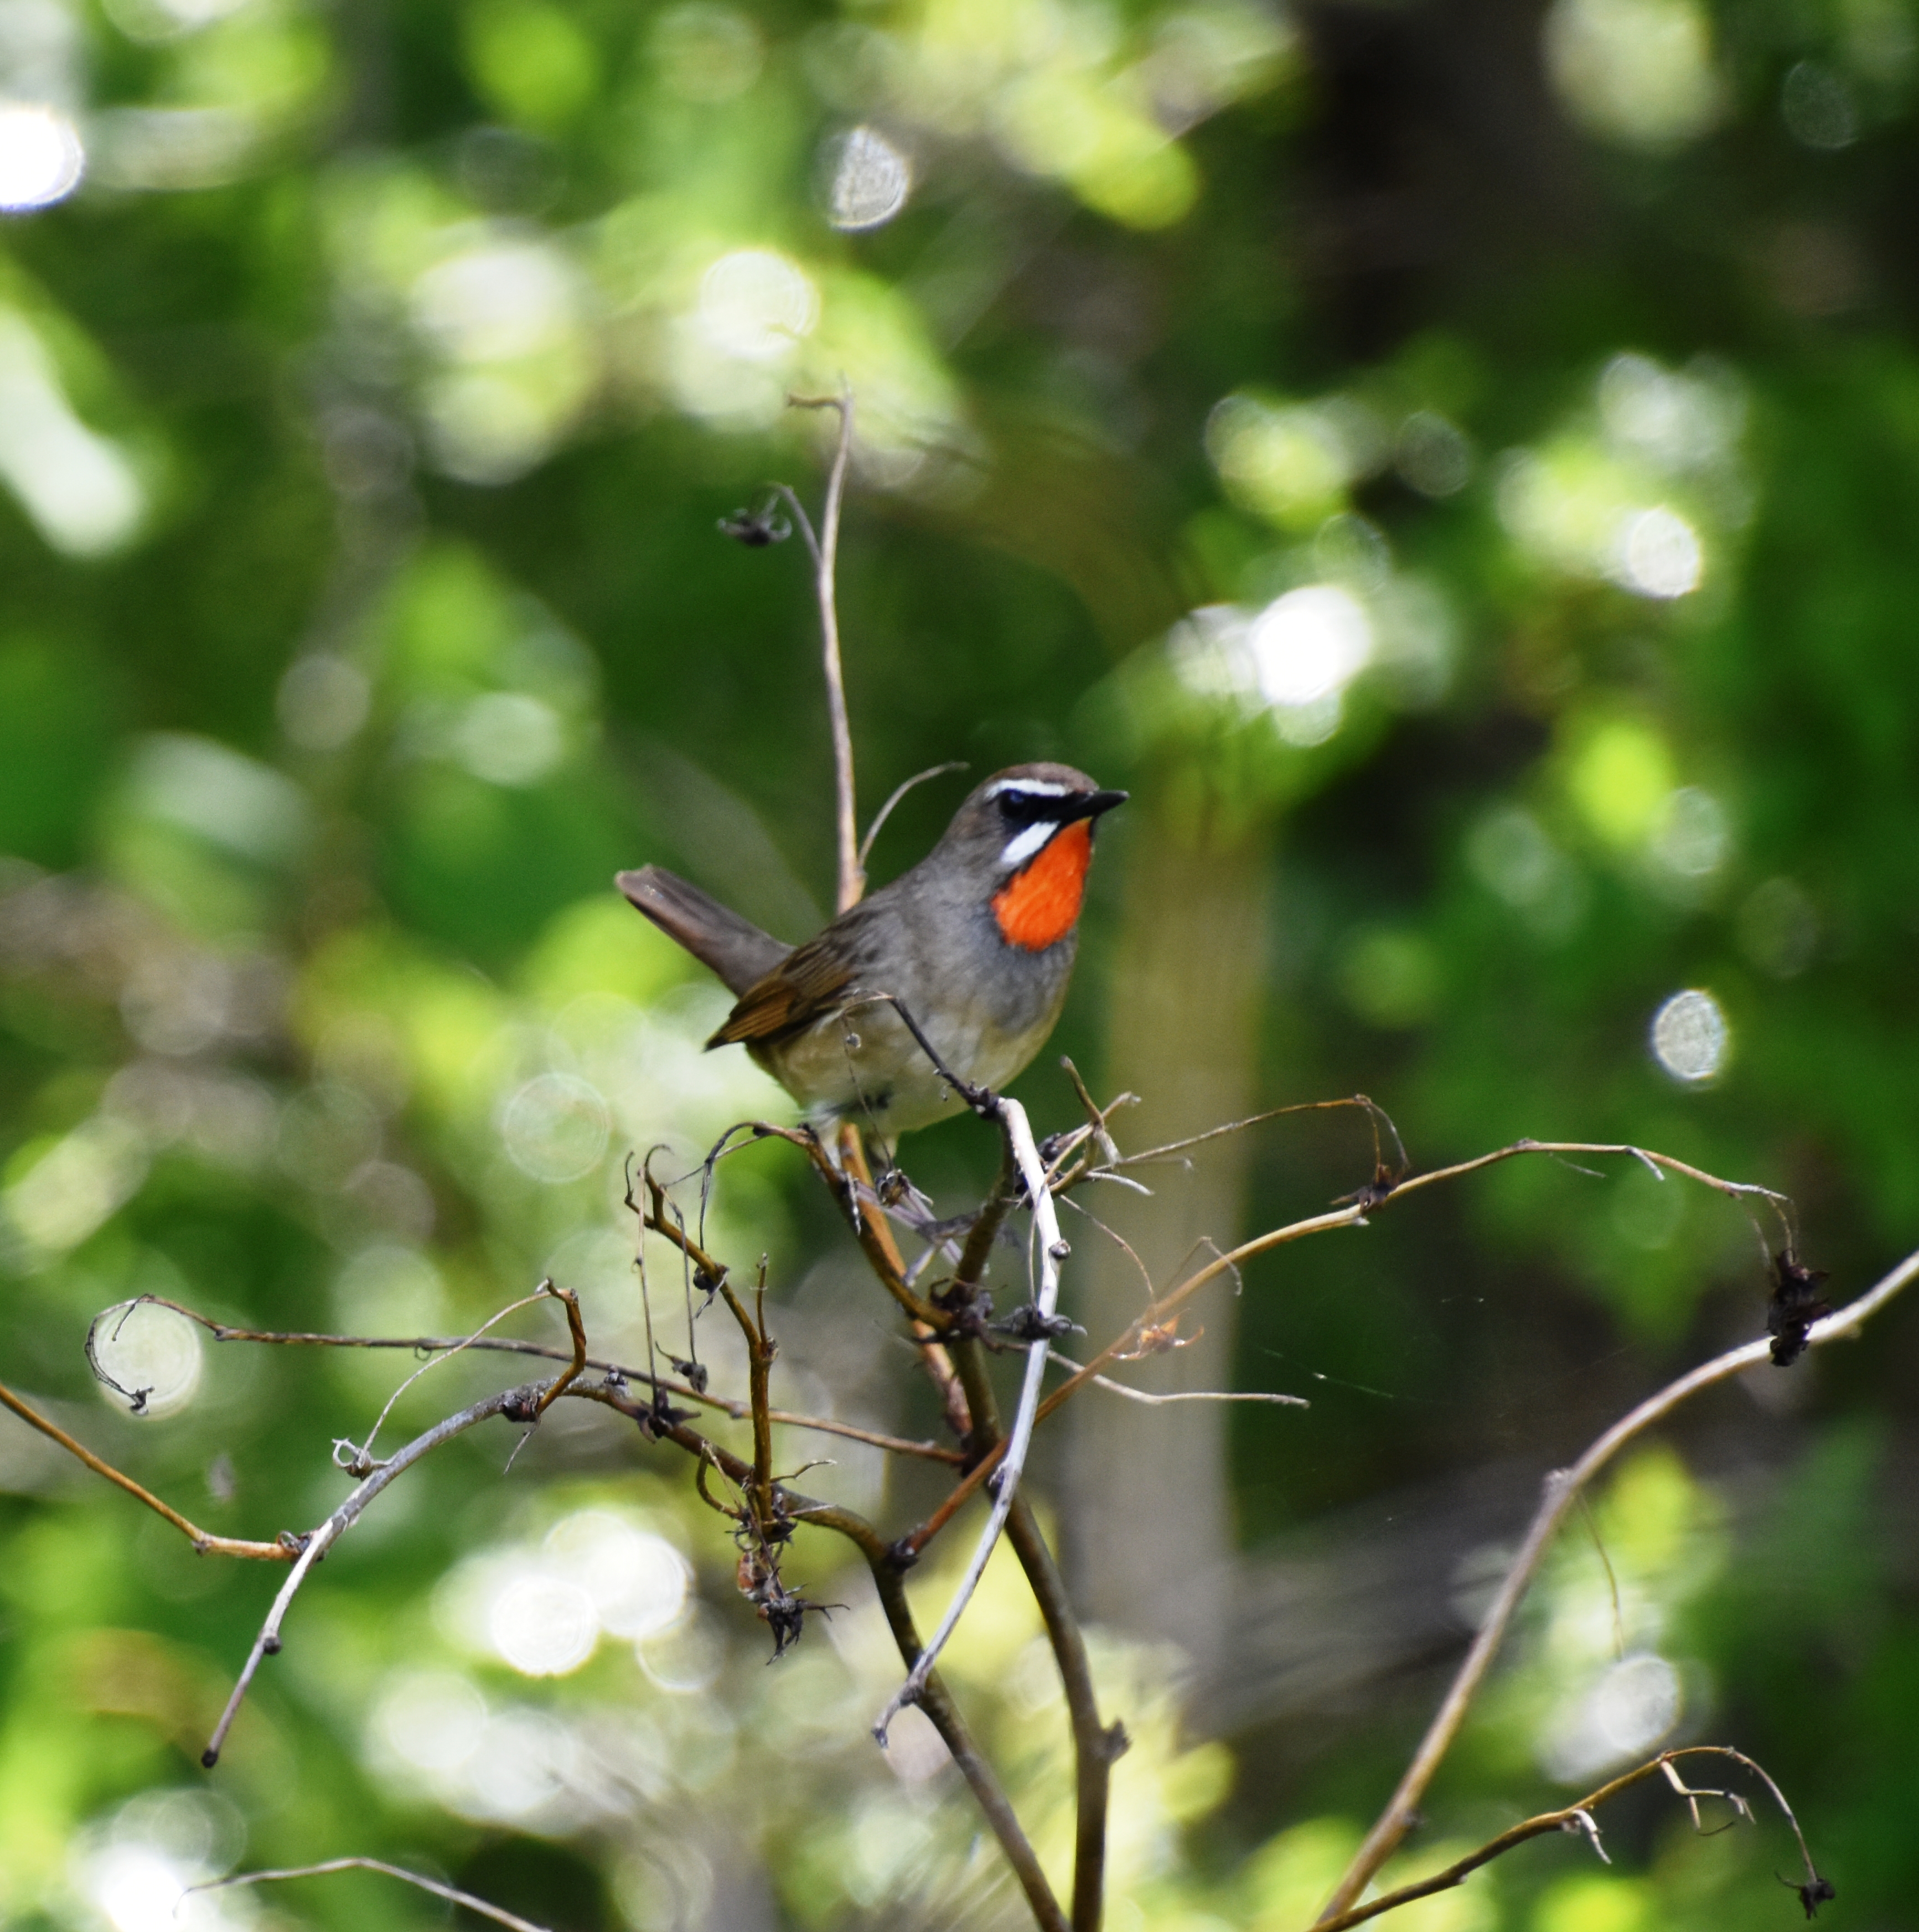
<point>1149,1522</point>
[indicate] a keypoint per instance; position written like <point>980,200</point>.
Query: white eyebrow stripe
<point>1039,788</point>
<point>1025,843</point>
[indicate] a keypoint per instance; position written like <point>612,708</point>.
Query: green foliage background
<point>365,419</point>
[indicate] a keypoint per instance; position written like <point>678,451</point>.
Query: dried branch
<point>882,1252</point>
<point>1011,1454</point>
<point>934,1700</point>
<point>204,1541</point>
<point>1578,1817</point>
<point>1562,1487</point>
<point>888,1574</point>
<point>1354,1213</point>
<point>360,1462</point>
<point>896,1445</point>
<point>1154,1401</point>
<point>452,1896</point>
<point>825,554</point>
<point>574,1368</point>
<point>311,1548</point>
<point>899,792</point>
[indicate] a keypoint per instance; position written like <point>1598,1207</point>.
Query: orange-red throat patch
<point>1037,907</point>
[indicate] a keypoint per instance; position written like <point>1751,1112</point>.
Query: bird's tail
<point>732,947</point>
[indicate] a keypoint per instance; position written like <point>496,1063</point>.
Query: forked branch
<point>1562,1487</point>
<point>1578,1817</point>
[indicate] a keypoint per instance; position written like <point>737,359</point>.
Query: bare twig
<point>1354,1213</point>
<point>899,791</point>
<point>361,1461</point>
<point>826,552</point>
<point>938,1704</point>
<point>896,1445</point>
<point>204,1541</point>
<point>448,1892</point>
<point>1011,1456</point>
<point>1562,1487</point>
<point>888,1575</point>
<point>574,1368</point>
<point>1578,1817</point>
<point>1185,1395</point>
<point>316,1543</point>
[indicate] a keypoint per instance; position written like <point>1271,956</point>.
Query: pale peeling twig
<point>203,1541</point>
<point>1578,1818</point>
<point>899,791</point>
<point>1183,1395</point>
<point>318,1541</point>
<point>1562,1487</point>
<point>449,1893</point>
<point>825,553</point>
<point>1052,1250</point>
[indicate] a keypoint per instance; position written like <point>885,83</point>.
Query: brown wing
<point>801,989</point>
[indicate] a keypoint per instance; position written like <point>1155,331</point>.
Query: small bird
<point>976,942</point>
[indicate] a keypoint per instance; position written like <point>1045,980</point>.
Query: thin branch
<point>361,1461</point>
<point>574,1368</point>
<point>204,1541</point>
<point>1562,1487</point>
<point>1368,1201</point>
<point>888,1575</point>
<point>935,1701</point>
<point>1738,1190</point>
<point>1096,1746</point>
<point>826,552</point>
<point>1578,1817</point>
<point>1171,1148</point>
<point>1147,1396</point>
<point>882,1253</point>
<point>318,1541</point>
<point>1010,1455</point>
<point>896,1445</point>
<point>899,791</point>
<point>448,1892</point>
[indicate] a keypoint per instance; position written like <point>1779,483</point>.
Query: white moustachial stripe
<point>1025,843</point>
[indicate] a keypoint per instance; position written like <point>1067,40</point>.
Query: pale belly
<point>866,1067</point>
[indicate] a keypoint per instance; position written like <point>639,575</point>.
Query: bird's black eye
<point>1027,808</point>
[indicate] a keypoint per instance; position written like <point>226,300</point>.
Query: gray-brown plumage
<point>976,941</point>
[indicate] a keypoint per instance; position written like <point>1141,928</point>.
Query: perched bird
<point>976,942</point>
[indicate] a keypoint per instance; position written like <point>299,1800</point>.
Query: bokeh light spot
<point>1658,554</point>
<point>508,738</point>
<point>637,1582</point>
<point>41,159</point>
<point>544,1626</point>
<point>323,701</point>
<point>706,53</point>
<point>1432,456</point>
<point>868,180</point>
<point>1692,837</point>
<point>1638,72</point>
<point>1309,644</point>
<point>756,304</point>
<point>1817,107</point>
<point>1690,1038</point>
<point>556,1128</point>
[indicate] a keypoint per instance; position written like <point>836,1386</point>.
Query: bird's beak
<point>1090,805</point>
